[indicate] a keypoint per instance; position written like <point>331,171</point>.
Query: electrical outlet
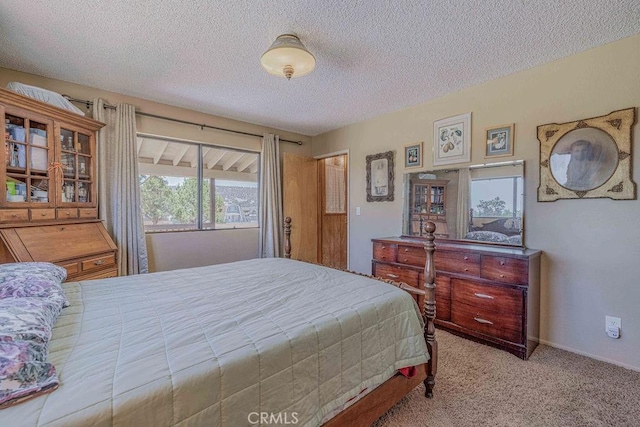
<point>609,321</point>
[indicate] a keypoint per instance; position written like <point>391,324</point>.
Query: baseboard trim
<point>592,356</point>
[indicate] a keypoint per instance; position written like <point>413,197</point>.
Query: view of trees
<point>179,204</point>
<point>493,208</point>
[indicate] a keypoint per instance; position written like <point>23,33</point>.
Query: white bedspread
<point>212,346</point>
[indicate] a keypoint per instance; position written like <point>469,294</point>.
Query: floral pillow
<point>29,319</point>
<point>25,330</point>
<point>23,373</point>
<point>44,270</point>
<point>32,279</point>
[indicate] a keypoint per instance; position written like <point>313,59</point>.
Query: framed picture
<point>413,155</point>
<point>587,159</point>
<point>380,177</point>
<point>452,140</point>
<point>499,141</point>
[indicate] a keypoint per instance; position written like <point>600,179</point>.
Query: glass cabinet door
<point>25,161</point>
<point>76,166</point>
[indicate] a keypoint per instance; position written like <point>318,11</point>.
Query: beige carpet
<point>477,385</point>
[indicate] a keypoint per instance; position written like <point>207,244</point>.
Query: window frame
<point>200,181</point>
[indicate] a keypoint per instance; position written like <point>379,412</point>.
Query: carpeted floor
<point>477,385</point>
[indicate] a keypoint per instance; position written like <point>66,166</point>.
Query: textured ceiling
<point>373,56</point>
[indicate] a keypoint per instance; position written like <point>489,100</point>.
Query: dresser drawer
<point>66,213</point>
<point>395,273</point>
<point>505,270</point>
<point>14,215</point>
<point>98,262</point>
<point>385,252</point>
<point>491,298</point>
<point>412,255</point>
<point>87,213</point>
<point>457,262</point>
<point>499,325</point>
<point>42,214</point>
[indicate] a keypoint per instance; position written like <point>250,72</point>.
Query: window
<point>497,197</point>
<point>190,186</point>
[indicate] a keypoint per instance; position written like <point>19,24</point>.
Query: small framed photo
<point>499,141</point>
<point>452,140</point>
<point>413,155</point>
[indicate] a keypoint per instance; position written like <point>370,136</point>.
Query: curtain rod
<point>88,103</point>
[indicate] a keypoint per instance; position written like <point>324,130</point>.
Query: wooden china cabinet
<point>428,203</point>
<point>48,209</point>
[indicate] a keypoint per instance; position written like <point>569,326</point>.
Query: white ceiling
<point>373,56</point>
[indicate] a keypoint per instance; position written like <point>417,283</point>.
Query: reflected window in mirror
<point>484,204</point>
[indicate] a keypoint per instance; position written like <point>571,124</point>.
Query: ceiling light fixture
<point>287,57</point>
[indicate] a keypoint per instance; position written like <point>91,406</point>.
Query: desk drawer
<point>14,215</point>
<point>66,213</point>
<point>384,252</point>
<point>98,262</point>
<point>487,297</point>
<point>412,255</point>
<point>72,267</point>
<point>505,270</point>
<point>88,213</point>
<point>500,325</point>
<point>457,262</point>
<point>42,214</point>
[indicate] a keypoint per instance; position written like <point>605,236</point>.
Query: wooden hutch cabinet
<point>48,206</point>
<point>487,293</point>
<point>428,203</point>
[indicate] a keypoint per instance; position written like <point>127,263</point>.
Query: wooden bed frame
<point>368,409</point>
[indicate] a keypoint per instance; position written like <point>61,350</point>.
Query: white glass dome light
<point>288,57</point>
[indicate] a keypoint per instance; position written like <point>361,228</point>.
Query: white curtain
<point>271,220</point>
<point>464,187</point>
<point>118,185</point>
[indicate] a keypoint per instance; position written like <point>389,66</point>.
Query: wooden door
<point>332,216</point>
<point>300,202</point>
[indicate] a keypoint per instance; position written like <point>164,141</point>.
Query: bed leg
<point>429,383</point>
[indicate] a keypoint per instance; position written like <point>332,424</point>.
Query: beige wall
<point>590,266</point>
<point>168,251</point>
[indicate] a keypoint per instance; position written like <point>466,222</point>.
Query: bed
<point>258,342</point>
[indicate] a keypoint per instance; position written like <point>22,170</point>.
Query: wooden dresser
<point>48,191</point>
<point>490,294</point>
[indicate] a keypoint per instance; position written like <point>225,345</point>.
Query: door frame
<point>334,154</point>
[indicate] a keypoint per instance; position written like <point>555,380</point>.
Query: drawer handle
<point>14,215</point>
<point>502,275</point>
<point>501,262</point>
<point>483,321</point>
<point>466,269</point>
<point>61,228</point>
<point>393,276</point>
<point>485,296</point>
<point>405,260</point>
<point>384,257</point>
<point>43,214</point>
<point>466,257</point>
<point>406,249</point>
<point>98,262</point>
<point>384,247</point>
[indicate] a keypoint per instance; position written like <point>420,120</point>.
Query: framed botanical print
<point>499,141</point>
<point>588,158</point>
<point>452,140</point>
<point>413,155</point>
<point>380,177</point>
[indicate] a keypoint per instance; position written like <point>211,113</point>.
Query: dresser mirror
<point>483,204</point>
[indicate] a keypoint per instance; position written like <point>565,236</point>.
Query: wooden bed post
<point>430,309</point>
<point>287,237</point>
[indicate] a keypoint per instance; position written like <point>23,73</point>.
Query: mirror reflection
<point>479,203</point>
